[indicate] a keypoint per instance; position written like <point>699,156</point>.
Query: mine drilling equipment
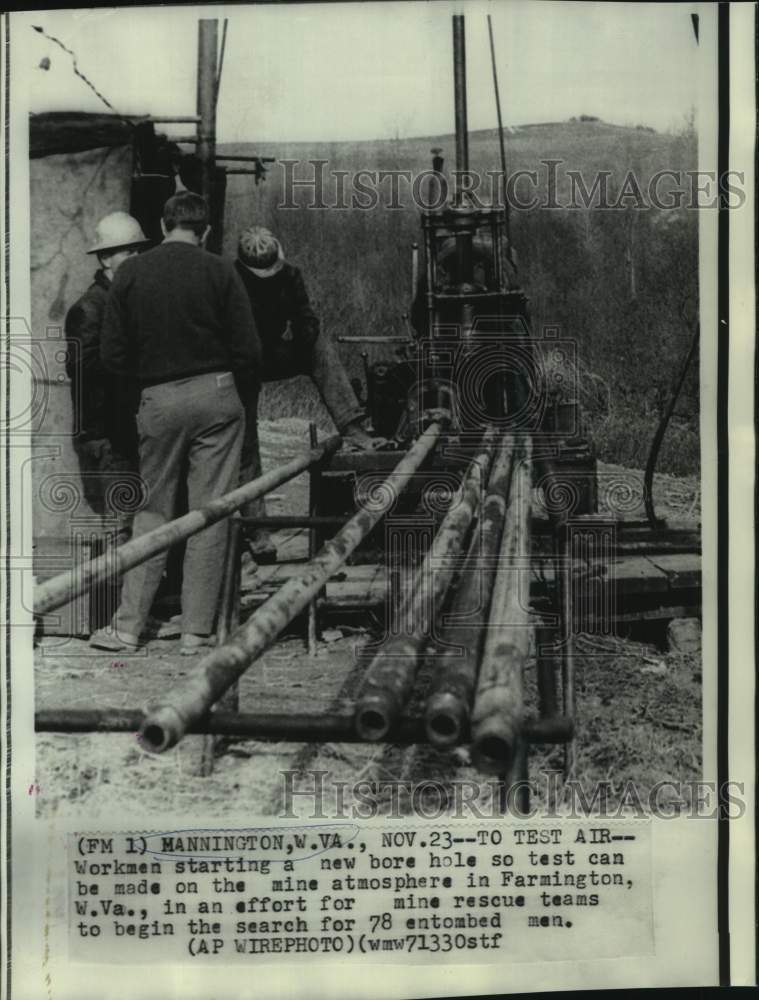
<point>482,513</point>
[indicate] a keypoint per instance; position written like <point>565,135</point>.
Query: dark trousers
<point>110,482</point>
<point>191,427</point>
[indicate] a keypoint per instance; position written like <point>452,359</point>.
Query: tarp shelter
<point>81,168</point>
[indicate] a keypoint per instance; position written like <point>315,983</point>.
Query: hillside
<point>620,282</point>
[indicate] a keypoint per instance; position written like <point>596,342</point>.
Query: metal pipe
<point>502,145</point>
<point>170,119</point>
<point>518,785</point>
<point>390,676</point>
<point>245,158</point>
<point>229,604</point>
<point>313,504</point>
<point>499,702</point>
<point>207,75</point>
<point>374,340</point>
<point>292,521</point>
<point>459,96</point>
<point>228,621</point>
<point>545,636</point>
<point>221,60</point>
<point>564,570</point>
<point>414,269</point>
<point>458,654</point>
<point>62,588</point>
<point>296,727</point>
<point>167,723</point>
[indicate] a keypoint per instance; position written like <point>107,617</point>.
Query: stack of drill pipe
<point>165,724</point>
<point>390,677</point>
<point>62,588</point>
<point>499,701</point>
<point>457,654</point>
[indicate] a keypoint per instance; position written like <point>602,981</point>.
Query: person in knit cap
<point>105,434</point>
<point>292,345</point>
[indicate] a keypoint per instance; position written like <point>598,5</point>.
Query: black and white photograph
<point>367,471</point>
<point>527,362</point>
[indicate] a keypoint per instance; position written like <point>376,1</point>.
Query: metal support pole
<point>62,588</point>
<point>169,120</point>
<point>167,723</point>
<point>564,570</point>
<point>207,76</point>
<point>414,269</point>
<point>228,621</point>
<point>459,96</point>
<point>545,641</point>
<point>513,787</point>
<point>245,158</point>
<point>314,478</point>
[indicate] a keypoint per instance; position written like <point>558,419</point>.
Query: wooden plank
<point>636,575</point>
<point>274,576</point>
<point>632,575</point>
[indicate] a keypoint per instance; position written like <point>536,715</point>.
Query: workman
<point>293,344</point>
<point>105,435</point>
<point>179,321</point>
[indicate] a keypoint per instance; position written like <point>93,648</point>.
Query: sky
<point>332,72</point>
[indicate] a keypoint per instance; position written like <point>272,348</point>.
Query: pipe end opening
<point>442,729</point>
<point>154,738</point>
<point>372,724</point>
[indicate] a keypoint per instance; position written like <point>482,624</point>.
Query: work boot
<point>261,547</point>
<point>171,629</point>
<point>113,642</point>
<point>192,644</point>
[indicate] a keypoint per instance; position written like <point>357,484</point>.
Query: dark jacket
<point>178,311</point>
<point>104,404</point>
<point>276,302</point>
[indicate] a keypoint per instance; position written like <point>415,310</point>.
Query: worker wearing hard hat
<point>292,345</point>
<point>105,436</point>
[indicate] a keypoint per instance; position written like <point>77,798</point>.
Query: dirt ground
<point>638,710</point>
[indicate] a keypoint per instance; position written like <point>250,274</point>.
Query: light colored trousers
<point>190,428</point>
<point>325,367</point>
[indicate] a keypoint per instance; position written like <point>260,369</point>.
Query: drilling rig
<point>481,509</point>
<point>457,541</point>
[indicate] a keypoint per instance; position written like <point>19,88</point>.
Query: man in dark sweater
<point>178,320</point>
<point>105,435</point>
<point>292,345</point>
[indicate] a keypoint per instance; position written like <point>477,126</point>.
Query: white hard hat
<point>118,230</point>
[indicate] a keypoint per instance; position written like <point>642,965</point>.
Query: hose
<point>648,478</point>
